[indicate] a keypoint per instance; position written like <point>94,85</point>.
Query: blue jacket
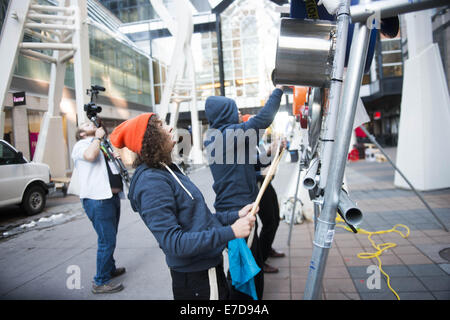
<point>235,184</point>
<point>191,237</point>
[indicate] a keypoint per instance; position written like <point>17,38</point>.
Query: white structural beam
<point>38,7</point>
<point>38,55</point>
<point>12,34</point>
<point>66,22</point>
<point>50,17</point>
<point>49,26</point>
<point>165,16</point>
<point>424,132</point>
<point>46,46</point>
<point>82,73</point>
<point>51,147</point>
<point>181,75</point>
<point>40,36</point>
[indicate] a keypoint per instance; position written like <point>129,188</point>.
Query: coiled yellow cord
<point>380,248</point>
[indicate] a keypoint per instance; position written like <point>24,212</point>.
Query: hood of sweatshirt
<point>221,111</point>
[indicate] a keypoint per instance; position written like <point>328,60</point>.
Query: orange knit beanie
<point>130,133</point>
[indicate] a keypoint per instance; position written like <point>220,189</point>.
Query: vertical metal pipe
<point>326,222</point>
<point>332,110</point>
<point>295,203</point>
<point>220,54</point>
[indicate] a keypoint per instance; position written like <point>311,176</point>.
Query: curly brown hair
<point>154,146</point>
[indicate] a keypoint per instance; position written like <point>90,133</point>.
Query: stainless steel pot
<point>305,52</point>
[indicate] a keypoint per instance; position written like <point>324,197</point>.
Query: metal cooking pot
<point>305,52</point>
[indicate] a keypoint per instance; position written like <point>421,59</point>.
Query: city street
<point>43,262</point>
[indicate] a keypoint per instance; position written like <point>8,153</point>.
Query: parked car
<point>22,182</point>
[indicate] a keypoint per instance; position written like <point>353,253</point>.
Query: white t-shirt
<point>90,178</point>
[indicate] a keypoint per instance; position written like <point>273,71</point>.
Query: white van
<point>22,182</point>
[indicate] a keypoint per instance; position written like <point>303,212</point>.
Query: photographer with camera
<point>99,186</point>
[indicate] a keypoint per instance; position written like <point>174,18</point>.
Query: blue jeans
<point>104,215</point>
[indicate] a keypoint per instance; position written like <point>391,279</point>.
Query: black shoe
<point>117,272</point>
<point>269,269</point>
<point>276,254</point>
<point>107,288</point>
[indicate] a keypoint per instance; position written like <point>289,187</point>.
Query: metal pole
<point>316,214</point>
<point>220,54</point>
<point>331,113</point>
<point>324,233</point>
<point>372,139</point>
<point>295,202</point>
<point>391,8</point>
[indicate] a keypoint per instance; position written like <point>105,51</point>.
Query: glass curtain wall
<point>391,52</point>
<point>204,47</point>
<point>249,35</point>
<point>135,10</point>
<point>240,54</point>
<point>123,71</point>
<point>159,78</point>
<point>3,8</point>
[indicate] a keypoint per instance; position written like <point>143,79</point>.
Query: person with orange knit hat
<point>174,210</point>
<point>99,190</point>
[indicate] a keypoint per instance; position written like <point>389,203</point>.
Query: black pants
<point>269,213</point>
<point>196,285</point>
<point>259,278</point>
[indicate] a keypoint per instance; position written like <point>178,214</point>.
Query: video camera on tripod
<point>92,110</point>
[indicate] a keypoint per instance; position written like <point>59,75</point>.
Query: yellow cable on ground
<point>380,248</point>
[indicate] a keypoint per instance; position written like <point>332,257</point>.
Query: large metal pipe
<point>309,182</point>
<point>391,8</point>
<point>349,210</point>
<point>323,237</point>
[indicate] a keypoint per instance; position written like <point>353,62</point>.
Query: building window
<point>391,54</point>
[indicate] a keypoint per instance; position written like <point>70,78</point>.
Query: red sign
<point>377,115</point>
<point>33,143</point>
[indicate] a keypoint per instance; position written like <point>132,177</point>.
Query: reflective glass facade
<point>131,10</point>
<point>392,60</point>
<point>124,72</point>
<point>249,32</point>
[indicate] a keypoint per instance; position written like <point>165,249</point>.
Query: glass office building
<point>119,67</point>
<point>248,44</point>
<point>116,63</point>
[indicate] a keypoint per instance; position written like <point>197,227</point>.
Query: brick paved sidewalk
<point>416,269</point>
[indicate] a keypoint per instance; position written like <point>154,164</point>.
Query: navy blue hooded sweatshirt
<point>191,237</point>
<point>235,184</point>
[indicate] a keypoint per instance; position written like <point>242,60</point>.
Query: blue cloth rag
<point>243,267</point>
